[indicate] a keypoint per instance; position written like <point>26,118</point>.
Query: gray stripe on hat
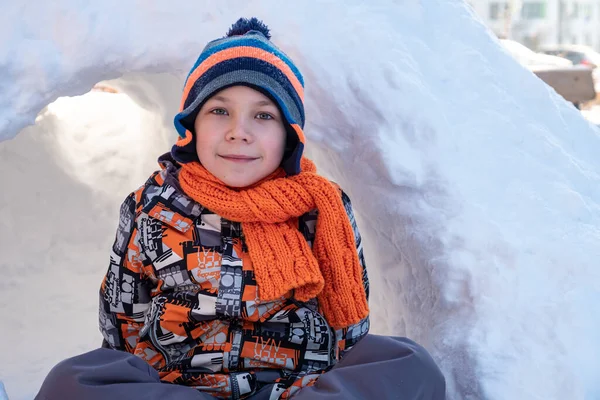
<point>253,78</point>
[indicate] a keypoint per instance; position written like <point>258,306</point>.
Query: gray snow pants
<point>378,368</point>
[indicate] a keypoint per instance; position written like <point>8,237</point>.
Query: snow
<point>476,187</point>
<point>592,114</point>
<point>3,395</point>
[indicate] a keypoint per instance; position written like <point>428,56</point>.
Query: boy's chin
<point>240,181</point>
<point>240,176</point>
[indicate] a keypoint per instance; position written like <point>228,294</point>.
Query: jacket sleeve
<point>348,337</point>
<point>125,291</point>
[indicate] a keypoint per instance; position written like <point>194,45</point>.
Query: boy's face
<point>240,136</point>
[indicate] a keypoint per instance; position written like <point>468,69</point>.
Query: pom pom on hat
<point>245,25</point>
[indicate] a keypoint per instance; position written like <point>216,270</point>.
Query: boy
<point>237,271</point>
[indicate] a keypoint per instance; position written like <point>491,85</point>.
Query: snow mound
<point>476,186</point>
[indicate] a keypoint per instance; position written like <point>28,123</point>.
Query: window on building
<point>575,10</point>
<point>533,10</point>
<point>574,40</point>
<point>498,10</point>
<point>587,12</point>
<point>588,40</point>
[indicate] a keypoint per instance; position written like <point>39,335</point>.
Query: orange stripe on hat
<point>299,132</point>
<point>185,140</point>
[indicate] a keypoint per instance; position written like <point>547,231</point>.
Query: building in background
<point>536,23</point>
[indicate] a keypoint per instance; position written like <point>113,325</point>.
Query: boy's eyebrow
<point>220,98</point>
<point>264,103</point>
<point>258,103</point>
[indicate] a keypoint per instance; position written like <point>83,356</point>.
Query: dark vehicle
<point>579,55</point>
<point>573,83</point>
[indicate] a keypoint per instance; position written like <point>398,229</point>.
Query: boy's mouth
<point>237,158</point>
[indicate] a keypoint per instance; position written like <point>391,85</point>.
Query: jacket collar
<point>164,200</point>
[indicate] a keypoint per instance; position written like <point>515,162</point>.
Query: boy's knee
<point>58,381</point>
<point>426,368</point>
<point>406,358</point>
<point>93,369</point>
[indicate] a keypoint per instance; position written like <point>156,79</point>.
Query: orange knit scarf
<point>281,257</point>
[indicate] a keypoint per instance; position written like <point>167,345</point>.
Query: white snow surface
<point>476,186</point>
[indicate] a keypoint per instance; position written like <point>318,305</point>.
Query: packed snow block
<point>476,186</point>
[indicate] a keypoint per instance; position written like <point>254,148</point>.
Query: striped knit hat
<point>244,57</point>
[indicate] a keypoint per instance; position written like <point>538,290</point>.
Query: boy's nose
<point>239,131</point>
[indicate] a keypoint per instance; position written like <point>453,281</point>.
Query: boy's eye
<point>219,111</point>
<point>264,116</point>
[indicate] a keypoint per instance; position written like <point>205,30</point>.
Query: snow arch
<point>476,187</point>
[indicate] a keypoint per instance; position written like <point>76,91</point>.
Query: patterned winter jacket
<point>180,293</point>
